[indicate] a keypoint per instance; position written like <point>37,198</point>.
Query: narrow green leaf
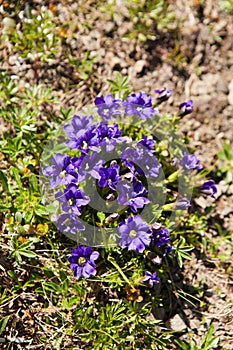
<point>28,215</point>
<point>18,258</point>
<point>179,260</point>
<point>17,178</point>
<point>27,244</point>
<point>185,255</point>
<point>227,150</point>
<point>3,323</point>
<point>28,254</point>
<point>41,210</point>
<point>4,181</point>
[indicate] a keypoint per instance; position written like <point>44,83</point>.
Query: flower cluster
<point>121,179</point>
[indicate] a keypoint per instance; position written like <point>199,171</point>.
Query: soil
<point>195,62</point>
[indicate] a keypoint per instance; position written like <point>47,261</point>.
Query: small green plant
<point>148,17</point>
<point>182,251</point>
<point>85,66</point>
<point>208,343</point>
<point>226,163</point>
<point>120,86</point>
<point>25,249</point>
<point>36,38</point>
<point>226,5</point>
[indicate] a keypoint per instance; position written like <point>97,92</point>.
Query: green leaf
<point>28,244</point>
<point>209,342</point>
<point>4,181</point>
<point>33,183</point>
<point>41,210</point>
<point>182,345</point>
<point>13,275</point>
<point>179,260</point>
<point>18,258</point>
<point>3,323</point>
<point>15,242</point>
<point>28,215</point>
<point>185,255</point>
<point>227,151</point>
<point>101,216</point>
<point>4,207</point>
<point>28,254</point>
<point>17,178</point>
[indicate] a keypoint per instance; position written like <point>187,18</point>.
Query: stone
<point>177,324</point>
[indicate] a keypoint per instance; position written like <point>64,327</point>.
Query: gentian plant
<point>118,175</point>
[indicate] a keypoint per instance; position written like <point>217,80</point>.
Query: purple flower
<point>147,164</point>
<point>109,136</point>
<point>152,166</point>
<point>68,223</point>
<point>209,188</point>
<point>190,161</point>
<point>87,141</point>
<point>134,234</point>
<point>151,278</point>
<point>186,108</point>
<point>109,177</point>
<point>163,94</point>
<point>107,106</point>
<point>147,142</point>
<point>72,198</point>
<point>82,261</point>
<point>160,236</point>
<point>61,172</point>
<point>89,164</point>
<point>78,126</point>
<point>168,249</point>
<point>182,203</point>
<point>134,196</point>
<point>140,105</point>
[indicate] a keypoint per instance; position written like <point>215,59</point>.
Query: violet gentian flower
<point>168,249</point>
<point>109,136</point>
<point>87,141</point>
<point>133,195</point>
<point>72,198</point>
<point>186,108</point>
<point>160,237</point>
<point>142,161</point>
<point>147,142</point>
<point>190,162</point>
<point>151,278</point>
<point>82,261</point>
<point>182,203</point>
<point>69,223</point>
<point>140,105</point>
<point>209,188</point>
<point>134,234</point>
<point>163,94</point>
<point>89,164</point>
<point>152,165</point>
<point>108,106</point>
<point>109,177</point>
<point>61,171</point>
<point>78,126</point>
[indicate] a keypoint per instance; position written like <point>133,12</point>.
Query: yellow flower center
<point>63,174</point>
<point>133,234</point>
<point>81,261</point>
<point>71,202</point>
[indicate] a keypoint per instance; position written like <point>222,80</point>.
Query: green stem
<point>120,271</point>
